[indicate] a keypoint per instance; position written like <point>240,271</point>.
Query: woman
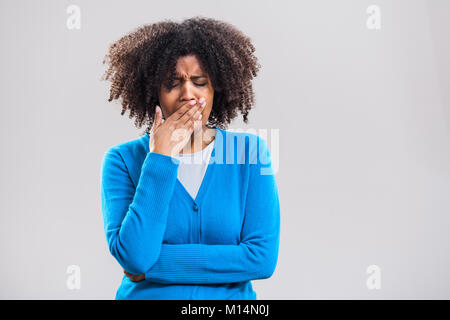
<point>184,230</point>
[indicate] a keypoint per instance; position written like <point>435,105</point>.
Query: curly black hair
<point>144,59</point>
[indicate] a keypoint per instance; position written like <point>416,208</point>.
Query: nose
<point>187,91</point>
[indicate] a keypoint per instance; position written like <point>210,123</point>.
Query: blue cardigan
<point>209,247</point>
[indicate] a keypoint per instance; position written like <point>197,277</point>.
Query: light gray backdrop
<point>364,142</point>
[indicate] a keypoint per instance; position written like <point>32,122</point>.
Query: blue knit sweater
<point>209,247</point>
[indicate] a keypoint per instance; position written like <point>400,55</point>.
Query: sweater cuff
<point>162,158</point>
<point>176,263</point>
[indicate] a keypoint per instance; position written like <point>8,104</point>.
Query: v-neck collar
<point>209,169</point>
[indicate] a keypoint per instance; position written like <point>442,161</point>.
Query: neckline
<point>205,181</point>
<point>198,153</point>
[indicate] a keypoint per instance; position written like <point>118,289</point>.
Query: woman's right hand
<point>170,137</point>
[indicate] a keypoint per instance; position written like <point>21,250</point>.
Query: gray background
<point>364,142</point>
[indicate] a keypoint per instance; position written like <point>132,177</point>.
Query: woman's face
<point>191,83</point>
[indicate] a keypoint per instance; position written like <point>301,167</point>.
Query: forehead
<point>189,65</point>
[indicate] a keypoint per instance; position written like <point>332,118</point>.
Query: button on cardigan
<point>210,247</point>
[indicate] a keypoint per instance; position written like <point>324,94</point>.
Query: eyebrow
<point>178,77</point>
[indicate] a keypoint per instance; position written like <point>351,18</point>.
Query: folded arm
<point>135,217</point>
<point>255,257</point>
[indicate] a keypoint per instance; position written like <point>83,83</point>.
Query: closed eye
<point>173,85</point>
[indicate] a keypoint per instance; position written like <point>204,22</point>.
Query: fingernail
<point>158,109</point>
<point>192,102</point>
<point>201,100</point>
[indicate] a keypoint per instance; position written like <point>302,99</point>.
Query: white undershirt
<point>193,167</point>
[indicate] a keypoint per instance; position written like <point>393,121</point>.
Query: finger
<point>129,275</point>
<point>186,107</point>
<point>192,114</point>
<point>197,116</point>
<point>158,118</point>
<point>137,278</point>
<point>141,277</point>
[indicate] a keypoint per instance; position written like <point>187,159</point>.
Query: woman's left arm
<point>255,257</point>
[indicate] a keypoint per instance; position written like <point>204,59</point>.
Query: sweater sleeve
<point>255,257</point>
<point>135,217</point>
